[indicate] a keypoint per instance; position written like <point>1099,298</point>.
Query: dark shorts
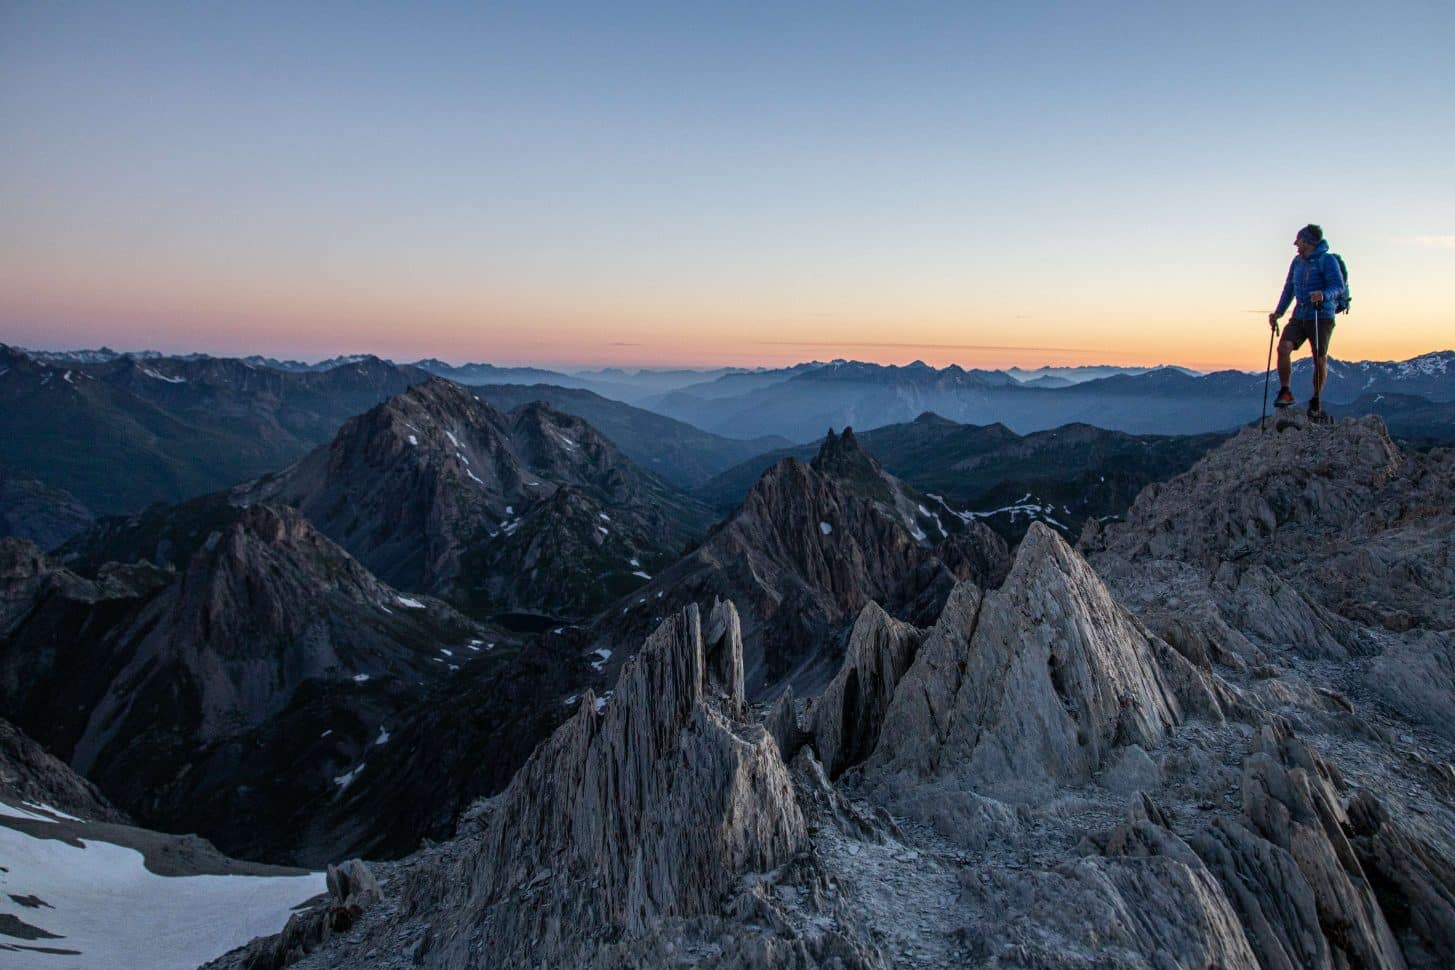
<point>1298,331</point>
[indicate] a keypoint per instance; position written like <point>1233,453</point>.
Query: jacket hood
<point>1319,250</point>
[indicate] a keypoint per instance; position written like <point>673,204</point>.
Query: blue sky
<point>689,183</point>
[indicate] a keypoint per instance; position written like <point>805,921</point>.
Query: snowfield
<point>107,910</point>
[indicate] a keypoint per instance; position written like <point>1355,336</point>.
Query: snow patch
<point>414,441</point>
<point>825,528</point>
<point>413,604</point>
<point>347,778</point>
<point>360,678</point>
<point>162,377</point>
<point>13,812</point>
<point>383,737</point>
<point>641,574</point>
<point>107,905</point>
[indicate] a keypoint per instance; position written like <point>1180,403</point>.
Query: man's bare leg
<point>1285,364</point>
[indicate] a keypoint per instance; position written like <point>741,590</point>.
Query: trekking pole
<point>1267,375</point>
<point>1315,339</point>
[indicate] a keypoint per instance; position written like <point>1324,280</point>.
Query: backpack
<point>1341,305</point>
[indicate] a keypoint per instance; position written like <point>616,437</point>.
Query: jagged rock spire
<point>1048,679</point>
<point>645,810</point>
<point>841,457</point>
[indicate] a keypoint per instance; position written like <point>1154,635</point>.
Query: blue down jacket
<point>1317,271</point>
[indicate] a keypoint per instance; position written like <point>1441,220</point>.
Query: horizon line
<point>569,370</point>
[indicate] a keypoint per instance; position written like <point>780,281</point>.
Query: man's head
<point>1308,239</point>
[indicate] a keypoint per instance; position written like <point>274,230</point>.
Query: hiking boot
<point>1314,410</point>
<point>1284,398</point>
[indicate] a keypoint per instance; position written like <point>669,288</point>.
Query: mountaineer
<point>1316,281</point>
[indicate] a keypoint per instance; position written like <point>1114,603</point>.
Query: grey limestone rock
<point>1413,872</point>
<point>1264,606</point>
<point>1268,892</point>
<point>1128,911</point>
<point>645,812</point>
<point>352,884</point>
<point>1291,799</point>
<point>1132,770</point>
<point>810,546</point>
<point>1052,677</point>
<point>848,715</point>
<point>1416,676</point>
<point>781,721</point>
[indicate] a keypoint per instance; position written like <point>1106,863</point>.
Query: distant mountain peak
<point>841,456</point>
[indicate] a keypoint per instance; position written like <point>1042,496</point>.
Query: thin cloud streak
<point>1433,242</point>
<point>914,346</point>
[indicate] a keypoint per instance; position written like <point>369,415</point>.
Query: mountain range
<point>245,685</point>
<point>885,711</point>
<point>1062,477</point>
<point>846,725</point>
<point>173,428</point>
<point>183,426</point>
<point>1161,401</point>
<point>1213,735</point>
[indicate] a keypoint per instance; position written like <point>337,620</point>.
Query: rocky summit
<point>437,491</point>
<point>1215,735</point>
<point>810,546</point>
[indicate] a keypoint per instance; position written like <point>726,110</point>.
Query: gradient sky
<point>745,183</point>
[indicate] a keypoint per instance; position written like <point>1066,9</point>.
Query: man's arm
<point>1287,297</point>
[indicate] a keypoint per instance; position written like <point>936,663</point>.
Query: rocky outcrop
<point>1416,677</point>
<point>352,890</point>
<point>1412,873</point>
<point>1048,679</point>
<point>957,793</point>
<point>641,809</point>
<point>30,774</point>
<point>1290,798</point>
<point>1272,899</point>
<point>1288,866</point>
<point>848,716</point>
<point>1338,514</point>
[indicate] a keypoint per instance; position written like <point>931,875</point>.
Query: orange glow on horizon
<point>672,329</point>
